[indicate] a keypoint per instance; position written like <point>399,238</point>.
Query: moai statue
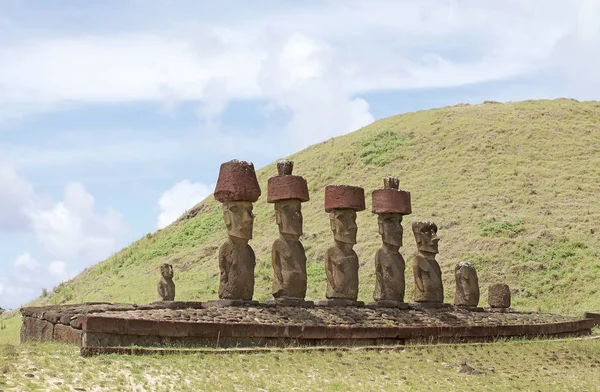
<point>390,204</point>
<point>499,296</point>
<point>467,285</point>
<point>288,192</point>
<point>237,188</point>
<point>166,286</point>
<point>341,262</point>
<point>426,270</point>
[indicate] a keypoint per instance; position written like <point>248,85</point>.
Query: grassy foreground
<point>539,365</point>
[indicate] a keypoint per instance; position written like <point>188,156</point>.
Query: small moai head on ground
<point>288,192</point>
<point>166,270</point>
<point>426,236</point>
<point>391,204</point>
<point>467,284</point>
<point>342,202</point>
<point>237,188</point>
<point>499,295</point>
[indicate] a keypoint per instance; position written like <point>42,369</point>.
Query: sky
<point>116,115</point>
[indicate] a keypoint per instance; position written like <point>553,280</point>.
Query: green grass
<point>538,365</point>
<point>513,188</point>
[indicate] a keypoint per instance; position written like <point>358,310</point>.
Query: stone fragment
<point>66,334</point>
<point>467,285</point>
<point>426,270</point>
<point>36,330</point>
<point>237,188</point>
<point>390,204</point>
<point>387,304</point>
<point>288,257</point>
<point>166,286</point>
<point>341,262</point>
<point>340,302</point>
<point>499,295</point>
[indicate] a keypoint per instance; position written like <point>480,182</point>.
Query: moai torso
<point>289,266</point>
<point>428,279</point>
<point>389,275</point>
<point>236,262</point>
<point>467,285</point>
<point>166,286</point>
<point>341,267</point>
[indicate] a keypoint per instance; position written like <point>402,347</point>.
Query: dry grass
<point>540,365</point>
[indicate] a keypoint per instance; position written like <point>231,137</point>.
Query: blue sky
<point>115,115</point>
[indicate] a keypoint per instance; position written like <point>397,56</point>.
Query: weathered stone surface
<point>237,182</point>
<point>390,199</point>
<point>36,330</point>
<point>467,285</point>
<point>286,186</point>
<point>388,304</point>
<point>389,263</point>
<point>340,302</point>
<point>341,261</point>
<point>429,305</point>
<point>166,286</point>
<point>66,334</point>
<point>177,304</point>
<point>594,316</point>
<point>344,197</point>
<point>285,301</point>
<point>229,302</point>
<point>499,295</point>
<point>426,270</point>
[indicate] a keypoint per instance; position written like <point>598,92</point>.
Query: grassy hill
<point>514,188</point>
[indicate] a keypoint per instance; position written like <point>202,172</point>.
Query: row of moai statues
<point>237,189</point>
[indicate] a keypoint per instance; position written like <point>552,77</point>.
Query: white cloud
<point>71,230</point>
<point>58,269</point>
<point>15,195</point>
<point>179,198</point>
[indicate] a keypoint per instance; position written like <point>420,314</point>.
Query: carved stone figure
<point>390,204</point>
<point>288,192</point>
<point>467,285</point>
<point>341,262</point>
<point>166,286</point>
<point>426,270</point>
<point>237,188</point>
<point>499,295</point>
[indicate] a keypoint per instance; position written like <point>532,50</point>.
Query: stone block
<point>340,302</point>
<point>594,316</point>
<point>290,302</point>
<point>429,305</point>
<point>229,302</point>
<point>499,295</point>
<point>387,304</point>
<point>344,197</point>
<point>36,330</point>
<point>66,334</point>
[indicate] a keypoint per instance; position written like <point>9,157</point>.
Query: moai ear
<point>277,215</point>
<point>332,220</point>
<point>227,217</point>
<point>380,224</point>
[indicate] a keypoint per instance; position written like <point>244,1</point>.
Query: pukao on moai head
<point>341,262</point>
<point>237,188</point>
<point>288,192</point>
<point>426,270</point>
<point>467,285</point>
<point>390,204</point>
<point>166,286</point>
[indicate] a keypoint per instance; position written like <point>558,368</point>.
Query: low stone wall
<point>196,324</point>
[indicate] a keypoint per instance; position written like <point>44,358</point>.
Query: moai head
<point>166,270</point>
<point>239,219</point>
<point>237,188</point>
<point>342,202</point>
<point>288,192</point>
<point>391,203</point>
<point>426,236</point>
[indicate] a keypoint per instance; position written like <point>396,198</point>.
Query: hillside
<point>513,188</point>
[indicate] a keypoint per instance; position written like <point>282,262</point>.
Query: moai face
<point>343,225</point>
<point>166,270</point>
<point>426,236</point>
<point>239,219</point>
<point>390,228</point>
<point>288,215</point>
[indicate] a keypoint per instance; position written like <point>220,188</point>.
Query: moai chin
<point>467,285</point>
<point>166,286</point>
<point>288,192</point>
<point>341,262</point>
<point>426,270</point>
<point>390,204</point>
<point>237,188</point>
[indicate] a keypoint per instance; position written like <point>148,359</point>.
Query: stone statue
<point>499,295</point>
<point>426,270</point>
<point>166,286</point>
<point>467,285</point>
<point>237,188</point>
<point>341,262</point>
<point>288,192</point>
<point>390,204</point>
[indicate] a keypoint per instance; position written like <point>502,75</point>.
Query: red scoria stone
<point>237,182</point>
<point>344,196</point>
<point>286,186</point>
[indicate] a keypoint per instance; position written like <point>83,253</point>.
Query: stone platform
<point>193,324</point>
